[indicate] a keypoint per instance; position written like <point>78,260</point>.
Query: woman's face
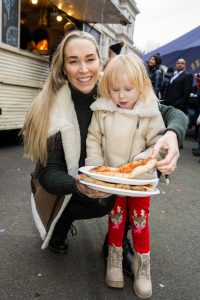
<point>152,61</point>
<point>81,64</point>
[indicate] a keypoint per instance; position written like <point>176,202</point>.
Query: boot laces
<point>144,268</point>
<point>73,230</point>
<point>116,259</point>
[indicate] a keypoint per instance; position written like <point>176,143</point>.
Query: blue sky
<point>160,21</point>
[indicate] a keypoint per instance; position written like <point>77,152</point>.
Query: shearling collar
<point>139,109</point>
<point>63,118</point>
<point>62,111</point>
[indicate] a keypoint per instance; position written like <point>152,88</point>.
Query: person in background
<point>193,105</point>
<point>196,90</point>
<point>113,50</point>
<point>57,141</point>
<point>166,81</point>
<point>180,87</point>
<point>162,67</point>
<point>127,98</point>
<point>26,39</point>
<point>155,74</point>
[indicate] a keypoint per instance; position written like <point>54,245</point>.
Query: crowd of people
<point>82,111</point>
<point>178,88</point>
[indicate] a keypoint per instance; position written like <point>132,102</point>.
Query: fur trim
<point>53,224</point>
<point>139,109</point>
<point>63,118</point>
<point>71,146</point>
<point>103,104</point>
<point>42,231</point>
<point>36,217</point>
<point>62,110</point>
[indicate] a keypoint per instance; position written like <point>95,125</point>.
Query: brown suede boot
<point>114,272</point>
<point>142,279</point>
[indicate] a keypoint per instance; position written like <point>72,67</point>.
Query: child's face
<point>123,93</point>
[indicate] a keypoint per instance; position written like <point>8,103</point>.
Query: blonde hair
<point>35,129</point>
<point>137,74</point>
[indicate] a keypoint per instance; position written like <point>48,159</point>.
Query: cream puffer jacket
<point>116,136</point>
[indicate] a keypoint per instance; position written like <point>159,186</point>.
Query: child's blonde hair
<point>137,74</point>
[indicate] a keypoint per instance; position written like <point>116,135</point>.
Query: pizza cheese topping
<point>126,169</point>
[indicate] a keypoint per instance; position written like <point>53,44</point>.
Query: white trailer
<point>21,77</point>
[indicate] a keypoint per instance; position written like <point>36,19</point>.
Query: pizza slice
<point>129,170</point>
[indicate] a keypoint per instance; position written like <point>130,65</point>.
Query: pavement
<point>29,273</point>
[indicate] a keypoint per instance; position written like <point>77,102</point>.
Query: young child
<point>126,122</point>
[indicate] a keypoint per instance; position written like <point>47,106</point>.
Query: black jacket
<point>179,90</point>
<point>155,76</point>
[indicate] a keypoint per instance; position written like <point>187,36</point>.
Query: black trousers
<point>82,208</point>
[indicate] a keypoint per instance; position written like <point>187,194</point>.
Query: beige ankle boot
<point>142,279</point>
<point>114,272</point>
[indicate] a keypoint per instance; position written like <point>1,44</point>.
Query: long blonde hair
<point>137,74</point>
<point>35,129</point>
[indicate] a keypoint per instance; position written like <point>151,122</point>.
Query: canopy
<point>101,11</point>
<point>186,46</point>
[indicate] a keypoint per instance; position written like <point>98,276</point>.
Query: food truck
<point>23,71</point>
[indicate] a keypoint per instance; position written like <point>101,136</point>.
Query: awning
<point>92,11</point>
<point>187,46</point>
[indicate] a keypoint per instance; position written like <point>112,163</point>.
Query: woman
<point>155,74</point>
<point>57,140</point>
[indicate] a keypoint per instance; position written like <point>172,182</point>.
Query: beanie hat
<point>117,47</point>
<point>69,26</point>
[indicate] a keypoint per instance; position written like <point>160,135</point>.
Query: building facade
<point>113,33</point>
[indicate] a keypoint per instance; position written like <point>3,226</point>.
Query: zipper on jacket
<point>138,123</point>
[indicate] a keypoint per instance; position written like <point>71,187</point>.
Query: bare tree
<point>150,46</point>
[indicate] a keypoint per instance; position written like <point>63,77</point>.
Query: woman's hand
<point>169,144</point>
<point>89,192</point>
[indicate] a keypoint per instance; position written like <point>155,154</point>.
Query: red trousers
<point>136,210</point>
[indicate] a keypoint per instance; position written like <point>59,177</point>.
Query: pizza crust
<point>141,188</point>
<point>136,168</point>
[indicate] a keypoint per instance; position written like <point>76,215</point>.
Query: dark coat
<point>179,90</point>
<point>155,76</point>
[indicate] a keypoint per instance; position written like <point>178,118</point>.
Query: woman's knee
<point>104,206</point>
